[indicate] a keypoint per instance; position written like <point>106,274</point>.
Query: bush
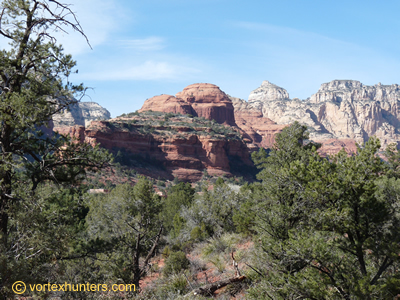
<point>213,208</point>
<point>219,181</point>
<point>176,262</point>
<point>199,233</point>
<point>166,252</point>
<point>176,284</point>
<point>161,183</point>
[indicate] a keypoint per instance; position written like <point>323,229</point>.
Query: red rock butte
<point>199,99</point>
<point>341,114</point>
<point>168,104</point>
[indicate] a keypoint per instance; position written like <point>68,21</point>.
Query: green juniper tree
<point>179,195</point>
<point>34,85</point>
<point>327,228</point>
<point>129,219</point>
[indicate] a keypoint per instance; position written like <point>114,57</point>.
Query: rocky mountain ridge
<point>341,114</point>
<point>185,146</point>
<point>72,121</point>
<point>341,109</point>
<point>208,101</point>
<point>80,114</point>
<point>258,131</point>
<point>199,99</point>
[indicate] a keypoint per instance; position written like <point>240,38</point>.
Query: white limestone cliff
<point>341,109</point>
<point>82,114</point>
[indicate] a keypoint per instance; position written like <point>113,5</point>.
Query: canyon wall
<point>185,151</point>
<point>343,110</point>
<point>341,114</point>
<point>200,100</point>
<point>81,114</point>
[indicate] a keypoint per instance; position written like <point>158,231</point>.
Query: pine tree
<point>34,85</point>
<point>327,228</point>
<point>129,219</point>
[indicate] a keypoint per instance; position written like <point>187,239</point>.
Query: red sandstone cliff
<point>258,130</point>
<point>168,104</point>
<point>339,115</point>
<point>76,132</point>
<point>185,151</point>
<point>208,101</point>
<point>200,99</point>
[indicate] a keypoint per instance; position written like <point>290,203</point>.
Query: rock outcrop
<point>186,151</point>
<point>268,92</point>
<point>341,109</point>
<point>80,114</point>
<point>258,130</point>
<point>77,132</point>
<point>168,104</point>
<point>200,99</point>
<point>168,131</point>
<point>333,146</point>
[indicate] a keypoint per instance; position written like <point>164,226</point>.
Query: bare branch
<point>76,26</point>
<point>209,289</point>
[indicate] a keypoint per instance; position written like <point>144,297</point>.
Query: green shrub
<point>199,233</point>
<point>195,233</point>
<point>161,183</point>
<point>214,246</point>
<point>219,181</point>
<point>173,287</point>
<point>176,262</point>
<point>166,252</point>
<point>218,262</point>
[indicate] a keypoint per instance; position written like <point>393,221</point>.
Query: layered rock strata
<point>341,114</point>
<point>208,101</point>
<point>76,132</point>
<point>80,114</point>
<point>184,148</point>
<point>342,109</point>
<point>200,99</point>
<point>168,104</point>
<point>258,130</point>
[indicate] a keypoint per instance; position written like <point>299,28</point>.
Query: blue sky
<point>146,48</point>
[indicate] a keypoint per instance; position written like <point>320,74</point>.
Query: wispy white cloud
<point>148,70</point>
<point>104,22</point>
<point>152,43</point>
<point>98,18</point>
<point>302,60</point>
<point>288,32</point>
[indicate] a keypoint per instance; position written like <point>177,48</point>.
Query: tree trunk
<point>208,290</point>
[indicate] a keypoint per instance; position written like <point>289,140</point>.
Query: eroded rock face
<point>349,90</point>
<point>185,155</point>
<point>210,102</point>
<point>168,104</point>
<point>258,130</point>
<point>333,146</point>
<point>268,92</point>
<point>93,111</point>
<point>200,99</point>
<point>76,132</point>
<point>81,114</point>
<point>341,109</point>
<point>341,114</point>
